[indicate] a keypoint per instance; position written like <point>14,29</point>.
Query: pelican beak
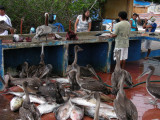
<point>93,72</point>
<point>70,70</point>
<point>80,49</point>
<point>144,73</point>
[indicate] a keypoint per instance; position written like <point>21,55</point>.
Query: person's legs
<point>148,46</point>
<point>124,57</point>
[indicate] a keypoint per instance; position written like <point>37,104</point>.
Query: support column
<point>109,56</point>
<point>65,58</point>
<point>1,66</point>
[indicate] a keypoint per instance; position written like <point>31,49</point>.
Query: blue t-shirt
<point>134,24</point>
<point>154,26</point>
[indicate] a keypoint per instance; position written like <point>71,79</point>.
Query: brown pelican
<point>53,91</point>
<point>92,86</point>
<point>72,75</point>
<point>4,26</point>
<point>43,30</point>
<point>152,89</point>
<point>89,84</point>
<point>116,75</point>
<point>28,111</point>
<point>24,72</point>
<point>124,108</point>
<point>84,71</point>
<point>33,83</point>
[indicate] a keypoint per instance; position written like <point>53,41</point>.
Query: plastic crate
<point>155,62</point>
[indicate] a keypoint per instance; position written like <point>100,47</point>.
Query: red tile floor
<point>138,95</point>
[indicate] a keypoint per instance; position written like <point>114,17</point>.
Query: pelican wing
<point>131,110</point>
<point>120,110</point>
<point>128,78</point>
<point>94,86</point>
<point>154,90</point>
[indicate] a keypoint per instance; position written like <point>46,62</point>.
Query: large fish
<point>88,103</point>
<point>19,94</point>
<point>36,99</point>
<point>104,113</point>
<point>47,107</point>
<point>105,110</point>
<point>16,103</point>
<point>61,80</point>
<point>77,113</point>
<point>64,111</point>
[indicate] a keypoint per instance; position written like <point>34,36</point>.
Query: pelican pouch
<point>71,36</point>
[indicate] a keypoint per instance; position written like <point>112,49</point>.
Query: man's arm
<point>113,35</point>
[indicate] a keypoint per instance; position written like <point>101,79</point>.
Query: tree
<point>33,11</point>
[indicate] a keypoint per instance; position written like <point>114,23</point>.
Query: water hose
<point>128,87</point>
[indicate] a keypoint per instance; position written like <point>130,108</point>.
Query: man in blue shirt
<point>153,27</point>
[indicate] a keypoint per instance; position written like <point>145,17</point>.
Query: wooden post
<point>70,25</point>
<point>22,19</point>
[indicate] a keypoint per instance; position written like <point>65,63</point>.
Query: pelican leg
<point>153,102</point>
<point>88,96</point>
<point>46,38</point>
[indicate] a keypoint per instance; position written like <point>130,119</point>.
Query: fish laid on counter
<point>104,113</point>
<point>19,94</point>
<point>61,80</point>
<point>77,113</point>
<point>64,111</point>
<point>16,103</point>
<point>36,99</point>
<point>105,110</point>
<point>89,103</point>
<point>47,107</point>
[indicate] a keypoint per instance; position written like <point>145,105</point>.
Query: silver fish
<point>61,80</point>
<point>105,113</point>
<point>16,103</point>
<point>89,103</point>
<point>77,113</point>
<point>47,108</point>
<point>64,111</point>
<point>19,94</point>
<point>36,99</point>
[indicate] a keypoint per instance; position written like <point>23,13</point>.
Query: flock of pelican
<point>34,80</point>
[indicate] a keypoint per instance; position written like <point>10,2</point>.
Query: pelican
<point>152,89</point>
<point>4,26</point>
<point>28,111</point>
<point>43,30</point>
<point>24,72</point>
<point>91,86</point>
<point>52,90</point>
<point>72,75</point>
<point>116,75</point>
<point>33,83</point>
<point>124,108</point>
<point>84,71</point>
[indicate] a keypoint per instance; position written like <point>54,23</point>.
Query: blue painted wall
<point>53,55</point>
<point>94,54</point>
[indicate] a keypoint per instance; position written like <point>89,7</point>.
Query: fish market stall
<point>98,51</point>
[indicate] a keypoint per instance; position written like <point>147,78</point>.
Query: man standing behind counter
<point>121,35</point>
<point>6,19</point>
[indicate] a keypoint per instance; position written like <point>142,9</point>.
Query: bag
<point>71,36</point>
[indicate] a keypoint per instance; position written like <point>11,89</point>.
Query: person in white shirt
<point>6,19</point>
<point>83,22</point>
